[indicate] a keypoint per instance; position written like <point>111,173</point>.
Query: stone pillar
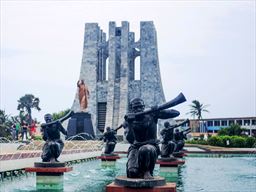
<point>124,72</point>
<point>88,71</point>
<point>111,74</point>
<point>151,86</point>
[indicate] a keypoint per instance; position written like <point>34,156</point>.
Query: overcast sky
<point>206,50</point>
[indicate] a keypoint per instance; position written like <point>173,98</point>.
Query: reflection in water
<point>169,173</point>
<point>179,183</point>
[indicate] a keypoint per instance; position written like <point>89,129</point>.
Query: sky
<point>206,50</point>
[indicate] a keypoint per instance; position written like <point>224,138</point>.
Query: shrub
<point>238,141</point>
<point>250,142</point>
<point>60,114</point>
<point>234,129</point>
<point>38,137</point>
<point>215,141</point>
<point>226,141</point>
<point>200,142</point>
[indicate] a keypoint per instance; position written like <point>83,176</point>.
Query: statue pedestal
<point>124,184</point>
<point>49,176</point>
<point>179,154</point>
<point>169,173</point>
<point>173,163</point>
<point>169,168</point>
<point>109,157</point>
<point>80,126</point>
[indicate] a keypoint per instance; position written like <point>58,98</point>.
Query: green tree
<point>232,130</point>
<point>5,124</point>
<point>25,104</point>
<point>60,114</point>
<point>197,108</point>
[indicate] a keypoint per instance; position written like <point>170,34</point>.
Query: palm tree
<point>27,103</point>
<point>197,108</point>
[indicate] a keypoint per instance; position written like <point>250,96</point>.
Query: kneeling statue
<point>51,134</point>
<point>168,142</point>
<point>141,132</point>
<point>179,137</point>
<point>110,138</point>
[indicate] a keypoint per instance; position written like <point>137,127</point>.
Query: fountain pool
<point>218,173</point>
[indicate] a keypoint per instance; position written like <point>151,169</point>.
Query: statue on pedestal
<point>168,142</point>
<point>179,137</point>
<point>141,132</point>
<point>83,94</point>
<point>110,138</point>
<point>51,134</point>
<point>80,125</point>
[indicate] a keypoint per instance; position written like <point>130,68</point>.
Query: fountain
<point>109,137</point>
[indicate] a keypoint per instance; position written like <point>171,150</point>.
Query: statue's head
<point>48,118</point>
<point>166,124</point>
<point>108,129</point>
<point>80,82</point>
<point>137,105</point>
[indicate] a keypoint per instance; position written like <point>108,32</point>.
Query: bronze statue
<point>110,138</point>
<point>168,143</point>
<point>141,132</point>
<point>83,94</point>
<point>179,137</point>
<point>51,134</point>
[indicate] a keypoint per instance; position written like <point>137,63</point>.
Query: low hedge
<point>201,142</point>
<point>227,141</point>
<point>232,141</point>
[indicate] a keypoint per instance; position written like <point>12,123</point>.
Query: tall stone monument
<point>108,69</point>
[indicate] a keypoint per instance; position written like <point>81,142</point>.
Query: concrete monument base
<point>80,124</point>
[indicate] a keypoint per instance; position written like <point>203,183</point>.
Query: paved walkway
<point>209,148</point>
<point>12,159</point>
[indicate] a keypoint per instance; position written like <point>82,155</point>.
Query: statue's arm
<point>184,135</point>
<point>44,132</point>
<point>62,130</point>
<point>128,132</point>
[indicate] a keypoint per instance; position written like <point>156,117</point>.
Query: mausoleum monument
<point>108,70</point>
